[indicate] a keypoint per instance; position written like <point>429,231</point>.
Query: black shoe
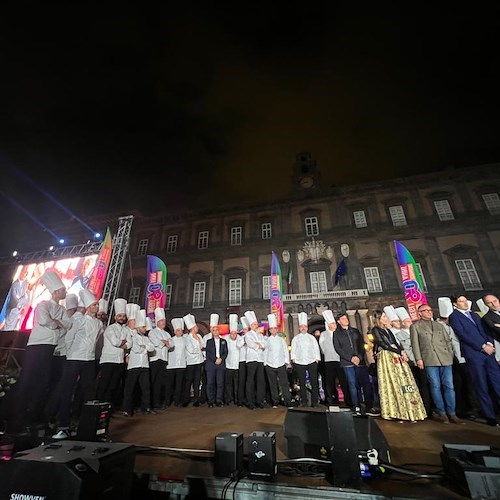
<point>493,422</point>
<point>127,414</point>
<point>250,407</point>
<point>196,403</point>
<point>185,404</point>
<point>210,405</point>
<point>148,411</point>
<point>219,404</point>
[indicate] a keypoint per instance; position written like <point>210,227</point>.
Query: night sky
<point>212,103</point>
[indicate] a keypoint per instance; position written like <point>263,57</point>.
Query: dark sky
<point>210,102</point>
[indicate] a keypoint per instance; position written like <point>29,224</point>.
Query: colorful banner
<point>98,276</point>
<point>412,281</point>
<point>277,293</point>
<point>156,285</point>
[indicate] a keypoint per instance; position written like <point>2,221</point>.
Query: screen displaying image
<point>27,291</point>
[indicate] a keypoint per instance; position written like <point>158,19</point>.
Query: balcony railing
<point>340,294</point>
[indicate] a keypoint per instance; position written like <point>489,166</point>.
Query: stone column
<point>363,317</point>
<point>351,314</point>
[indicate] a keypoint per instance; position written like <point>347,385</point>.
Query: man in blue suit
<point>216,351</point>
<point>479,351</point>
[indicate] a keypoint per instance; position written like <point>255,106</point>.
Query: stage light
<point>14,253</point>
<point>51,248</point>
<point>62,241</point>
<point>97,235</point>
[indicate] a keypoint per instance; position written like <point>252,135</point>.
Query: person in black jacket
<point>215,365</point>
<point>349,344</point>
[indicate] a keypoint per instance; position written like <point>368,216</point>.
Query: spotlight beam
<point>51,198</point>
<point>30,215</point>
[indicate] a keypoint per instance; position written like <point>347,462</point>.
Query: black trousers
<point>175,386</point>
<point>135,375</point>
<point>215,382</point>
<point>278,377</point>
<point>231,386</point>
<point>312,369</point>
<point>108,383</point>
<point>334,372</point>
<point>242,380</point>
<point>158,374</point>
<point>192,377</point>
<point>255,384</point>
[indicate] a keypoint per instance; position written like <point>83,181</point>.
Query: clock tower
<point>305,175</point>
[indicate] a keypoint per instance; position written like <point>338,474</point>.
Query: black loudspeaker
<point>94,421</point>
<point>308,435</point>
<point>228,454</point>
<point>70,470</point>
<point>473,468</point>
<point>262,454</point>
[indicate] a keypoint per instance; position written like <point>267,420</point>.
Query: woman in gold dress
<point>399,395</point>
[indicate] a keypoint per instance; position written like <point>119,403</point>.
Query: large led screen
<point>26,290</point>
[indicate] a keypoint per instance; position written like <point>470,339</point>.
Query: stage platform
<point>176,447</point>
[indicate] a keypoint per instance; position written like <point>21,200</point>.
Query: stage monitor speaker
<point>262,454</point>
<point>473,468</point>
<point>307,435</point>
<point>228,454</point>
<point>70,470</point>
<point>94,421</point>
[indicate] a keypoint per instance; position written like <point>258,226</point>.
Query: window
<point>134,295</point>
<point>203,240</point>
<point>312,227</point>
<point>172,243</point>
<point>142,248</point>
<point>266,287</point>
<point>236,235</point>
<point>266,231</point>
<point>235,292</point>
<point>199,294</point>
<point>443,210</point>
<point>397,215</point>
<point>424,283</point>
<point>373,283</point>
<point>468,274</point>
<point>168,296</point>
<point>318,282</point>
<point>492,202</point>
<point>359,218</point>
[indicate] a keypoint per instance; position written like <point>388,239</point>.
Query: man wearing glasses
<point>433,352</point>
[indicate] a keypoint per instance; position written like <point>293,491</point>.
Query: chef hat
<point>189,321</point>
<point>250,316</point>
<point>120,306</point>
<point>328,316</point>
<point>271,319</point>
<point>177,323</point>
<point>132,310</point>
<point>326,325</point>
<point>214,319</point>
<point>88,298</point>
<point>71,301</point>
<point>302,318</point>
<point>483,308</point>
<point>445,307</point>
<point>402,313</point>
<point>233,322</point>
<point>159,314</point>
<point>103,306</point>
<point>149,325</point>
<point>140,318</point>
<point>80,300</point>
<point>52,280</point>
<point>244,322</point>
<point>390,312</point>
<point>469,303</point>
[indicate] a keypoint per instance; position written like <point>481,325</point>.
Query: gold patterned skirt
<point>399,395</point>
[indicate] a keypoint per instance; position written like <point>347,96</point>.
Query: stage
<point>176,448</point>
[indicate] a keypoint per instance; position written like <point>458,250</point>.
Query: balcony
<point>361,293</point>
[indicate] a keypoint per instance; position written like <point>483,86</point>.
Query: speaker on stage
<point>262,454</point>
<point>228,454</point>
<point>70,470</point>
<point>94,421</point>
<point>307,434</point>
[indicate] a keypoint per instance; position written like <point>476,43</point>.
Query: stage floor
<point>179,442</point>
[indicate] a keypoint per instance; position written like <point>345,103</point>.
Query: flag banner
<point>341,271</point>
<point>289,284</point>
<point>98,276</point>
<point>156,285</point>
<point>412,281</point>
<point>277,293</point>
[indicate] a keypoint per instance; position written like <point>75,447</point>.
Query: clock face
<point>306,182</point>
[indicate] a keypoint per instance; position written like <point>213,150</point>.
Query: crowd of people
<point>402,370</point>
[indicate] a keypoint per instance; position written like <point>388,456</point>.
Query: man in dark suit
<point>215,366</point>
<point>479,351</point>
<point>491,320</point>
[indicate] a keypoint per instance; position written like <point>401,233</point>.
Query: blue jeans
<point>441,384</point>
<point>357,377</point>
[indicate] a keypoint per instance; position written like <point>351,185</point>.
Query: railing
<point>340,294</point>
